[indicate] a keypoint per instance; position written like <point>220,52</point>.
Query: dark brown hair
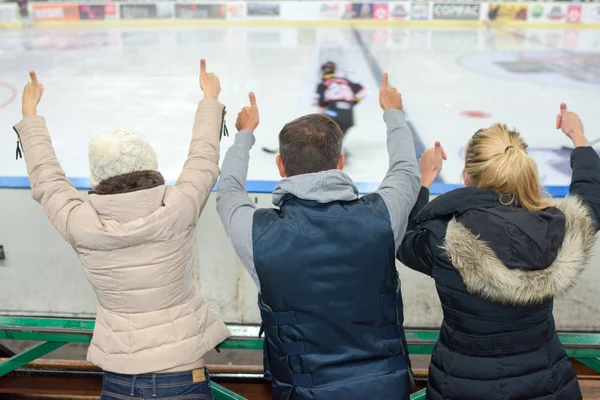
<point>312,143</point>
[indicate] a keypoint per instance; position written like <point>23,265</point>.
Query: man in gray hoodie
<point>324,260</point>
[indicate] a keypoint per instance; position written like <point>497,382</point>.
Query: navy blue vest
<point>330,300</point>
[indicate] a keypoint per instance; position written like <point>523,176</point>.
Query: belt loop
<point>132,391</point>
<point>153,385</point>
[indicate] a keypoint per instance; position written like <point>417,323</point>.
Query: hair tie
<point>508,148</point>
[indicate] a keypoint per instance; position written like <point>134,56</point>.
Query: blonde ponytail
<point>497,159</point>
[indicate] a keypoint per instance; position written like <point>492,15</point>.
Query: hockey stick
<point>270,151</point>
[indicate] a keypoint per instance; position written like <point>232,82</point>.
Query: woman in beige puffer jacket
<point>135,238</point>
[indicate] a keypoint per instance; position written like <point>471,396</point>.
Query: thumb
<point>252,98</point>
<point>33,77</point>
<point>563,108</point>
<point>438,149</point>
<point>384,80</point>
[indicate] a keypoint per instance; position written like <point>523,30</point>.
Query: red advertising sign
<point>380,11</point>
<point>110,10</point>
<point>574,14</point>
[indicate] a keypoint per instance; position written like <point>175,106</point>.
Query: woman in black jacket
<point>500,252</point>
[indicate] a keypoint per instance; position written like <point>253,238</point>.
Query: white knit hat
<point>119,151</point>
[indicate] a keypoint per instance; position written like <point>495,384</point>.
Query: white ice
<point>147,79</point>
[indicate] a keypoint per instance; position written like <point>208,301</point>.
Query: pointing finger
<point>252,97</point>
<point>558,121</point>
<point>203,66</point>
<point>384,80</point>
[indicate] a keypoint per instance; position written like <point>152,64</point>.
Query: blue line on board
<point>22,182</point>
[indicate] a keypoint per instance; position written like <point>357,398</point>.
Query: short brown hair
<point>312,143</point>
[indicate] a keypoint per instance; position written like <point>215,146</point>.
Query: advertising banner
<point>200,11</point>
<point>300,10</point>
<point>358,11</point>
<point>236,10</point>
<point>378,11</point>
<point>8,12</point>
<point>574,14</point>
<point>55,12</point>
<point>420,11</point>
<point>399,10</point>
<point>331,10</point>
<point>456,11</point>
<point>272,10</point>
<point>145,11</point>
<point>548,12</point>
<point>591,13</point>
<point>91,11</point>
<point>111,11</point>
<point>510,11</point>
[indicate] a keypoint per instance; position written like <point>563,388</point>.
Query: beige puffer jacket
<point>137,250</point>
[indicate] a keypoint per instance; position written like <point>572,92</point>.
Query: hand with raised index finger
<point>571,125</point>
<point>389,98</point>
<point>248,118</point>
<point>32,94</point>
<point>209,82</point>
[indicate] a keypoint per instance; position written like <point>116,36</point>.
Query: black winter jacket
<point>497,270</point>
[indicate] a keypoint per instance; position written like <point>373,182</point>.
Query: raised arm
<point>416,249</point>
<point>585,163</point>
<point>49,185</point>
<point>235,208</point>
<point>430,164</point>
<point>201,168</point>
<point>400,187</point>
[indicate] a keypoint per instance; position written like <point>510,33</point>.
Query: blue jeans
<point>185,385</point>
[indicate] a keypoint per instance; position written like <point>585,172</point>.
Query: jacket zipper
<point>224,131</point>
<point>19,151</point>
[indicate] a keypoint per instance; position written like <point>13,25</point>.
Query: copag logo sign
<point>456,11</point>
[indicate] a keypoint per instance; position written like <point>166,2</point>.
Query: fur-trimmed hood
<point>516,257</point>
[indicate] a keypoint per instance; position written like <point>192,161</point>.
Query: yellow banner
<point>510,11</point>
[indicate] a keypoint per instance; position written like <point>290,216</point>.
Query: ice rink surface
<point>453,82</point>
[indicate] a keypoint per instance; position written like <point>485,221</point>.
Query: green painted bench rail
<point>56,332</point>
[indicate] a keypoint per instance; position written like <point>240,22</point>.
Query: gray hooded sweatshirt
<point>399,189</point>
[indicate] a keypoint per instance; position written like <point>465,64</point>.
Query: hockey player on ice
<point>337,97</point>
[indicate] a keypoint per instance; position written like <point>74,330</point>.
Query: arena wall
<point>321,13</point>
